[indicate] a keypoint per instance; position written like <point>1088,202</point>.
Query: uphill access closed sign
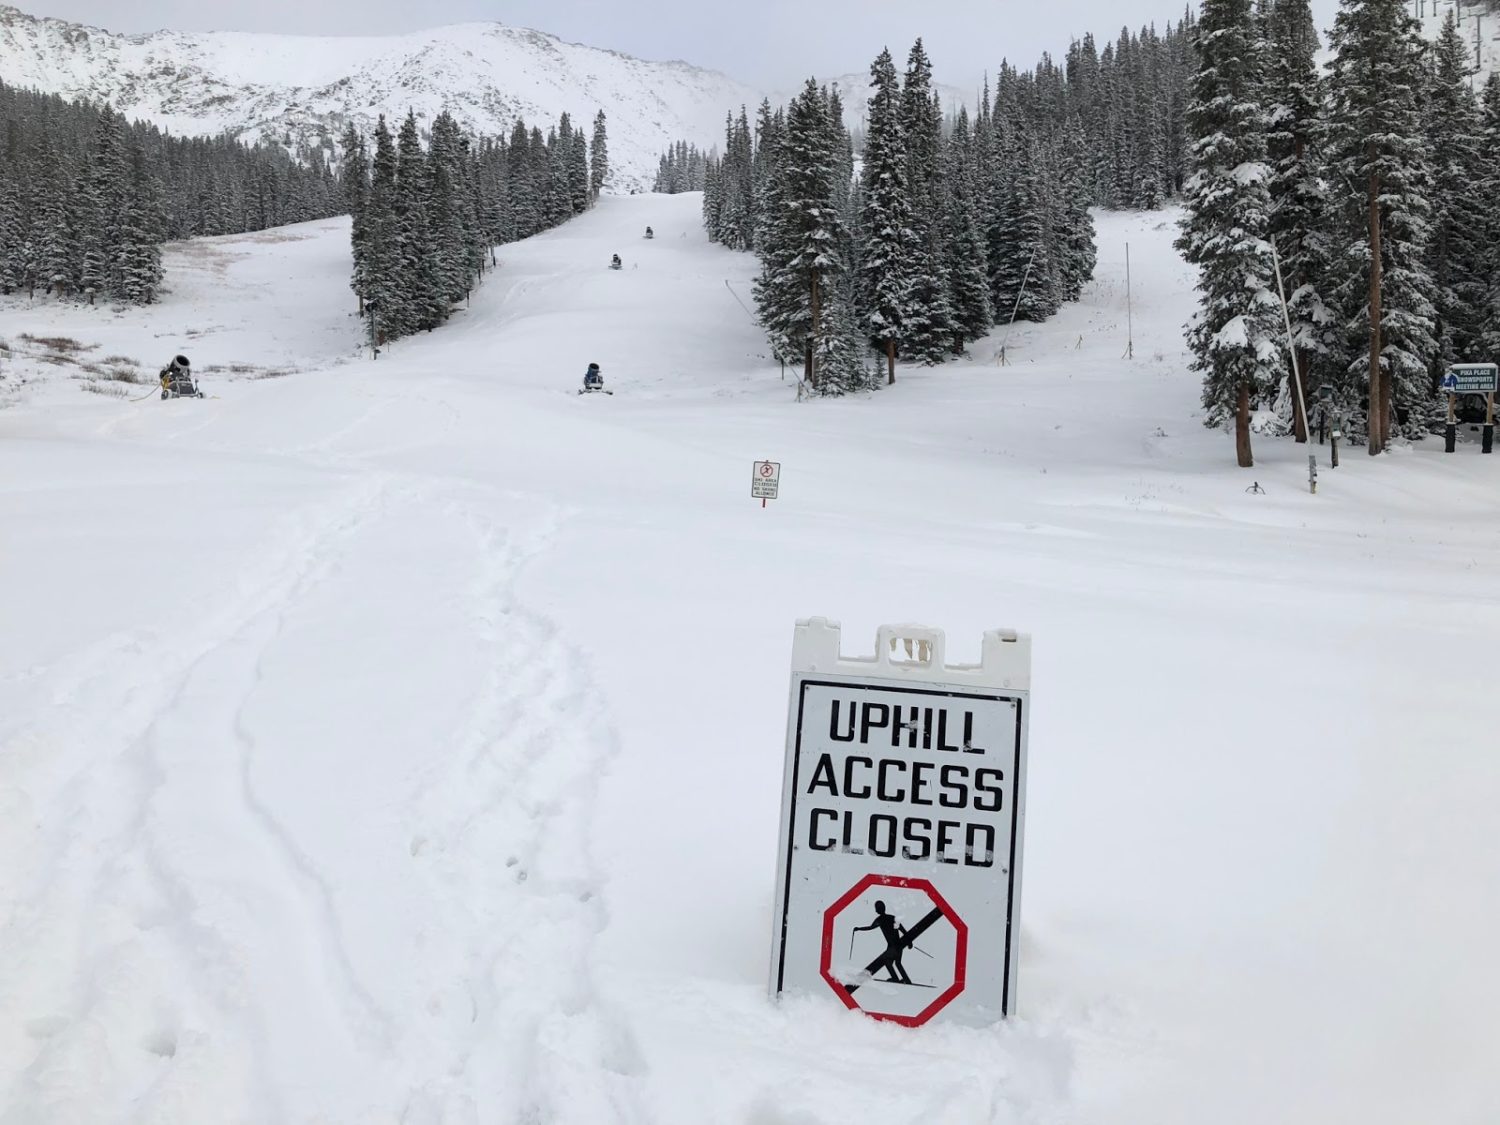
<point>899,874</point>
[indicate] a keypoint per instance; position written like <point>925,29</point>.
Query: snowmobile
<point>177,380</point>
<point>650,233</point>
<point>615,263</point>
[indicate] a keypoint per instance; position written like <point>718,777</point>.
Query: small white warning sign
<point>765,480</point>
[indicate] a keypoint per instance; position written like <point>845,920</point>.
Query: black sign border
<point>1015,819</point>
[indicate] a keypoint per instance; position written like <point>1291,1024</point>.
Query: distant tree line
<point>1129,100</point>
<point>426,217</point>
<point>87,198</point>
<point>953,225</point>
<point>1375,187</point>
<point>681,168</point>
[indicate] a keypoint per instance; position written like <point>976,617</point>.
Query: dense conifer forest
<point>87,198</point>
<point>426,217</point>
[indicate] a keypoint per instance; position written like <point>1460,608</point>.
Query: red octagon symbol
<point>843,992</point>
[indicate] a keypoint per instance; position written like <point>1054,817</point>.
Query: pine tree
<point>967,262</point>
<point>599,156</point>
<point>421,303</point>
<point>843,348</point>
<point>558,207</point>
<point>1024,279</point>
<point>98,229</point>
<point>383,258</point>
<point>1378,151</point>
<point>1459,247</point>
<point>12,238</point>
<point>885,224</point>
<point>354,184</point>
<point>141,232</point>
<point>1300,212</point>
<point>445,206</point>
<point>1233,337</point>
<point>55,231</point>
<point>1074,234</point>
<point>803,279</point>
<point>1489,342</point>
<point>928,328</point>
<point>579,175</point>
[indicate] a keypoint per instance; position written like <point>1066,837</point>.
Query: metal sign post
<point>765,481</point>
<point>898,881</point>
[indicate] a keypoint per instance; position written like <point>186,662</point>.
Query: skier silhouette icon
<point>896,942</point>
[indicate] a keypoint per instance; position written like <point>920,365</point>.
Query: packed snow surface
<point>402,741</point>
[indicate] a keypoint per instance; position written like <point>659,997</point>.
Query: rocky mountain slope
<point>301,90</point>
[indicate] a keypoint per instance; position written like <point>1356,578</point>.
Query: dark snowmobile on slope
<point>615,263</point>
<point>177,379</point>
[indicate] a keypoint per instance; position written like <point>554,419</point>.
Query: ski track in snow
<point>498,831</point>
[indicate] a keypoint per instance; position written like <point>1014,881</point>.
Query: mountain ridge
<point>301,91</point>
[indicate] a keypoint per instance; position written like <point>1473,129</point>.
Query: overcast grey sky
<point>766,43</point>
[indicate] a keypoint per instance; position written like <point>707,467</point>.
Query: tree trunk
<point>1387,407</point>
<point>1376,411</point>
<point>812,338</point>
<point>1242,427</point>
<point>890,362</point>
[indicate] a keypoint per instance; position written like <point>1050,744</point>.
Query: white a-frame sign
<point>903,814</point>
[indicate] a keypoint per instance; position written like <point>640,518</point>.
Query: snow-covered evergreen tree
<point>444,206</point>
<point>929,327</point>
<point>599,156</point>
<point>12,238</point>
<point>1489,342</point>
<point>105,188</point>
<point>967,262</point>
<point>579,175</point>
<point>141,231</point>
<point>354,185</point>
<point>1300,213</point>
<point>1227,202</point>
<point>383,258</point>
<point>54,226</point>
<point>887,236</point>
<point>1378,154</point>
<point>559,205</point>
<point>1075,250</point>
<point>804,289</point>
<point>1461,212</point>
<point>420,305</point>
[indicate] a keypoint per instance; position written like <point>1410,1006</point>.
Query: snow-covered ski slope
<point>401,741</point>
<point>1478,26</point>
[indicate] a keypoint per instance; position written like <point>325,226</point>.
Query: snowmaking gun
<point>177,380</point>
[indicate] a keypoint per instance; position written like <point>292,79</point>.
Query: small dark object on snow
<point>650,233</point>
<point>615,263</point>
<point>177,379</point>
<point>593,380</point>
